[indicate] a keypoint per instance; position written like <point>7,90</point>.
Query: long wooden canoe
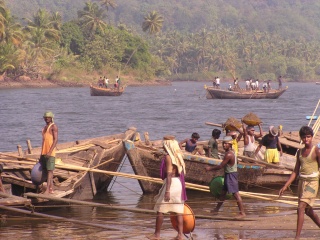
<point>215,93</point>
<point>98,91</point>
<point>103,153</point>
<point>146,160</point>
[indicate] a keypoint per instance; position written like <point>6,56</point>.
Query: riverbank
<point>8,83</point>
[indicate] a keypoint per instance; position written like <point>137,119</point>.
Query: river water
<point>179,109</point>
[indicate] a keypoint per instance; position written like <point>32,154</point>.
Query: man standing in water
<point>48,152</point>
<point>307,167</point>
<point>231,184</point>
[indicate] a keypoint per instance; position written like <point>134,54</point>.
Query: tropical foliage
<point>186,39</point>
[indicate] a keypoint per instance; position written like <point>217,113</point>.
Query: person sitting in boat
<point>272,143</point>
<point>230,87</point>
<point>249,138</point>
<point>1,186</point>
<point>191,144</point>
<point>213,144</point>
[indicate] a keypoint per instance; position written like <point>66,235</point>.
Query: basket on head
<point>189,220</point>
<point>251,119</point>
<point>232,121</point>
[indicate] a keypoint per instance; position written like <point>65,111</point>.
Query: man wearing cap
<point>272,144</point>
<point>231,184</point>
<point>48,153</point>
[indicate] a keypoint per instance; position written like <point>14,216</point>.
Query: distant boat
<point>99,91</point>
<point>318,83</point>
<point>258,94</point>
<point>313,117</point>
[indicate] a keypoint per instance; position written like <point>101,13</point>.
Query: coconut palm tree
<point>92,18</point>
<point>152,23</point>
<point>107,4</point>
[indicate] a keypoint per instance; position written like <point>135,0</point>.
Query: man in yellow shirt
<point>48,152</point>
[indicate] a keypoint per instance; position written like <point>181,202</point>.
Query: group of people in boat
<point>103,82</point>
<point>172,195</point>
<point>251,85</point>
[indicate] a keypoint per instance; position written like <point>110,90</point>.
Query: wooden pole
<point>20,150</point>
<point>112,207</point>
<point>314,113</point>
<point>29,146</point>
<point>214,124</point>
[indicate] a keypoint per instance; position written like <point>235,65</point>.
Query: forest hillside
<point>171,39</point>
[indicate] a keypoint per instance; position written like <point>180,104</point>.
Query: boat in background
<point>73,178</point>
<point>99,91</point>
<point>215,93</point>
<point>318,83</point>
<point>145,159</point>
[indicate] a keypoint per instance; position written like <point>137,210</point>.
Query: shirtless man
<point>49,142</point>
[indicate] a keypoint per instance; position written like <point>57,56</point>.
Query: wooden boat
<point>98,91</point>
<point>226,94</point>
<point>146,159</point>
<point>317,83</point>
<point>73,160</point>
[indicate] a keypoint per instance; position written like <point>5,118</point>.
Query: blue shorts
<point>231,184</point>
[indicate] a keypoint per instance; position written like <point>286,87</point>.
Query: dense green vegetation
<point>183,39</point>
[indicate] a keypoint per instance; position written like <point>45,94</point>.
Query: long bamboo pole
<point>314,112</point>
<point>159,181</point>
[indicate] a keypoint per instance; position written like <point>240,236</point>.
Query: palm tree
<point>108,3</point>
<point>91,18</point>
<point>152,23</point>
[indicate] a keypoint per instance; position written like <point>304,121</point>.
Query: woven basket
<point>251,119</point>
<point>232,121</point>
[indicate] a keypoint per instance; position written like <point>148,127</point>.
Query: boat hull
<point>146,162</point>
<point>102,153</point>
<point>214,93</point>
<point>96,91</point>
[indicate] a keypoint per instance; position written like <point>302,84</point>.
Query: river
<point>179,109</point>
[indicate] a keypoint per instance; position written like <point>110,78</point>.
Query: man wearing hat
<point>48,151</point>
<point>231,184</point>
<point>272,144</point>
